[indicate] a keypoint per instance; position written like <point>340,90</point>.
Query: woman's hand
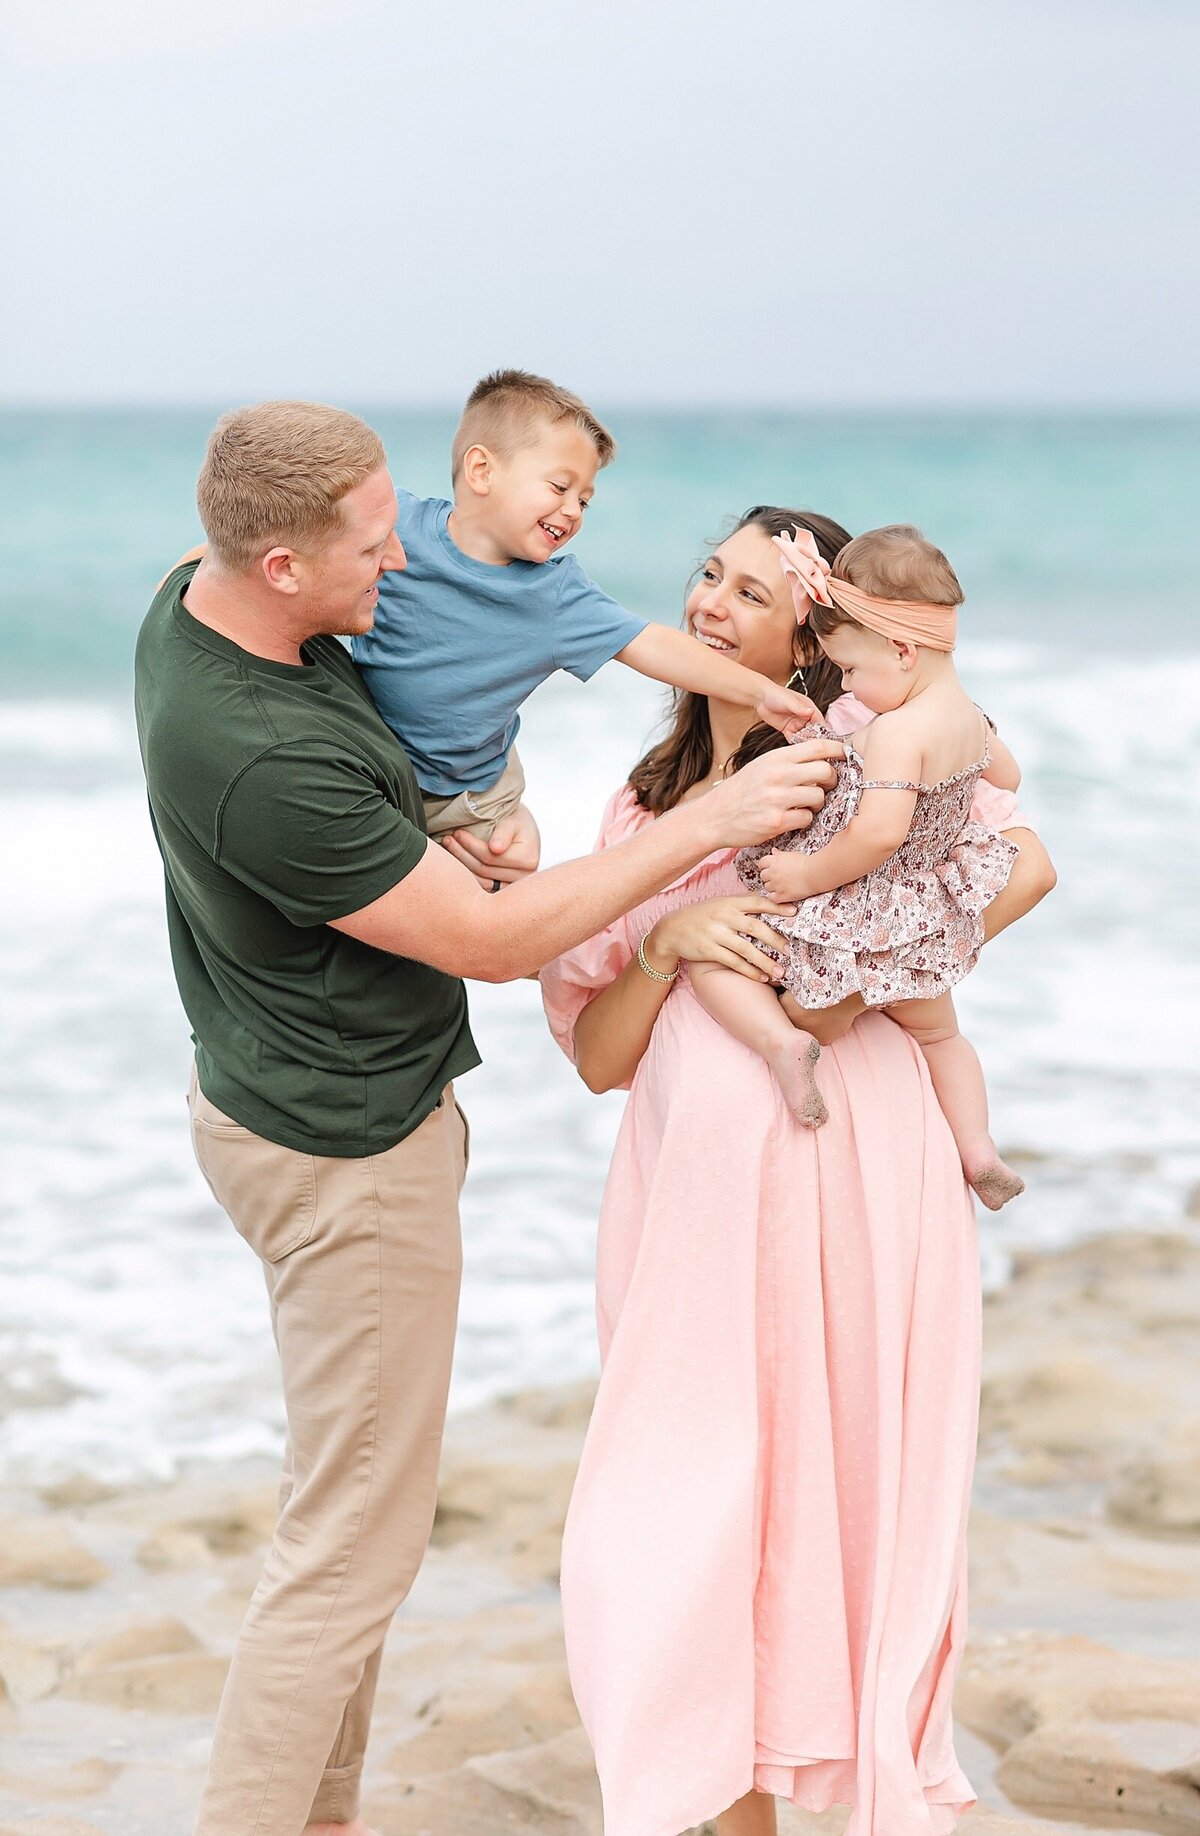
<point>718,931</point>
<point>515,848</point>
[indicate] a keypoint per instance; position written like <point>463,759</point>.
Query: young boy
<point>489,606</point>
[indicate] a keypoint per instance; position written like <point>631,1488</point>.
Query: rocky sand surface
<point>1079,1700</point>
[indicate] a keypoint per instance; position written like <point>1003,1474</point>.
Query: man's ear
<point>280,570</point>
<point>476,470</point>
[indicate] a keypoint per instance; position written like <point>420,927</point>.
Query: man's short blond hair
<point>508,410</point>
<point>274,476</point>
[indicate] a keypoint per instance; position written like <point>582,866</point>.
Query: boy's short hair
<point>896,562</point>
<point>505,410</point>
<point>275,474</point>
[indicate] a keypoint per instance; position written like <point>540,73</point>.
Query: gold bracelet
<point>656,975</point>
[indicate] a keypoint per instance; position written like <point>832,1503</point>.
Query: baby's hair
<point>507,410</point>
<point>893,563</point>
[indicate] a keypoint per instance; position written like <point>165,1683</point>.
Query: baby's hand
<point>784,875</point>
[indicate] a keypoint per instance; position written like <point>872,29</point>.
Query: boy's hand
<point>514,849</point>
<point>783,709</point>
<point>672,656</point>
<point>785,875</point>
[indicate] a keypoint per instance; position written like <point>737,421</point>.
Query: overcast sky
<point>684,201</point>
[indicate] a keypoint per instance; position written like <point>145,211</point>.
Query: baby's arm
<point>667,655</point>
<point>1003,770</point>
<point>892,750</point>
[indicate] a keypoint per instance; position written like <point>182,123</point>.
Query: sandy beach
<point>1079,1700</point>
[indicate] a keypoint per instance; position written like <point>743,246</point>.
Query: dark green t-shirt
<point>280,801</point>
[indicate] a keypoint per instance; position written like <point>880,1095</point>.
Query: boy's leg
<point>362,1260</point>
<point>958,1081</point>
<point>477,812</point>
<point>751,1012</point>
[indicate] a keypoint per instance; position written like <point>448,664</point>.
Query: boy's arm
<point>873,834</point>
<point>668,655</point>
<point>193,554</point>
<point>1003,770</point>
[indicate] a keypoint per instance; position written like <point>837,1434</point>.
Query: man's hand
<point>786,711</point>
<point>514,849</point>
<point>785,875</point>
<point>774,794</point>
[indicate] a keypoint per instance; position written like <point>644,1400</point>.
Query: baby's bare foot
<point>794,1063</point>
<point>994,1182</point>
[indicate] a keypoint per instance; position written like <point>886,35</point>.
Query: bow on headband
<point>805,570</point>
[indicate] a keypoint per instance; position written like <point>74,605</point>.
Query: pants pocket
<point>466,1142</point>
<point>268,1192</point>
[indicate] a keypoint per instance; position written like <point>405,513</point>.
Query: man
<point>318,942</point>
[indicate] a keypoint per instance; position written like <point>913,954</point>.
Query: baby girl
<point>891,879</point>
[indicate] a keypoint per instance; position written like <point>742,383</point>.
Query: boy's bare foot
<point>357,1828</point>
<point>993,1181</point>
<point>794,1063</point>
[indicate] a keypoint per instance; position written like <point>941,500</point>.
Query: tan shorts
<point>477,811</point>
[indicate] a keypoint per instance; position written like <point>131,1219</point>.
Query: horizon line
<point>750,405</point>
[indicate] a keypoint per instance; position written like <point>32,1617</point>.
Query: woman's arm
<point>1002,769</point>
<point>1032,877</point>
<point>613,1031</point>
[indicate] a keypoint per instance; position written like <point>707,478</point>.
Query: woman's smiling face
<point>741,606</point>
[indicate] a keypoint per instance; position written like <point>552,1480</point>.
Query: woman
<point>763,1561</point>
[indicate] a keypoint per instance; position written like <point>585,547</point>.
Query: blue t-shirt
<point>458,645</point>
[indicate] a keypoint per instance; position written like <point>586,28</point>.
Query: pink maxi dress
<point>763,1573</point>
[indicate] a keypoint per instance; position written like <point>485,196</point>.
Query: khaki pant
<point>477,811</point>
<point>362,1260</point>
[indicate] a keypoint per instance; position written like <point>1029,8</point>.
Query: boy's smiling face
<point>533,501</point>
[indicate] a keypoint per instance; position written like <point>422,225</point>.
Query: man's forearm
<point>438,914</point>
<point>531,923</point>
<point>501,937</point>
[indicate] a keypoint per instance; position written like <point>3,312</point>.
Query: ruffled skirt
<point>898,934</point>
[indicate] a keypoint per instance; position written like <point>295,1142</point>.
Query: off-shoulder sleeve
<point>997,808</point>
<point>570,981</point>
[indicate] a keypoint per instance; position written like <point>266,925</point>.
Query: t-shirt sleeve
<point>589,627</point>
<point>314,832</point>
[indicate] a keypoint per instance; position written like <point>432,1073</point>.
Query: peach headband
<point>913,621</point>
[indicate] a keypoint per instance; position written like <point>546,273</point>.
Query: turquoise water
<point>1080,530</point>
<point>132,1326</point>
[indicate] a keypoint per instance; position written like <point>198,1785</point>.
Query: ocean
<point>133,1330</point>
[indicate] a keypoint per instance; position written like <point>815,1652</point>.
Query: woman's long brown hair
<point>684,755</point>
